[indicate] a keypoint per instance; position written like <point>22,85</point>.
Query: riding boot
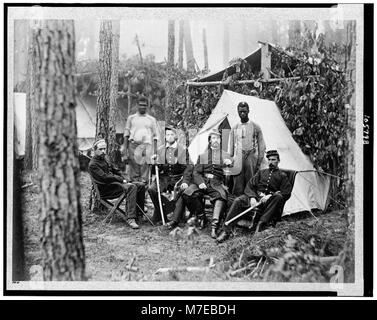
<point>195,205</point>
<point>217,210</point>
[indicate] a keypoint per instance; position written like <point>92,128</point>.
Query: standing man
<point>270,187</point>
<point>104,173</point>
<point>175,175</point>
<point>247,136</point>
<point>141,128</point>
<point>209,178</point>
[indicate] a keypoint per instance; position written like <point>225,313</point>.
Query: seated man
<point>174,175</point>
<point>270,187</point>
<point>208,177</point>
<point>104,173</point>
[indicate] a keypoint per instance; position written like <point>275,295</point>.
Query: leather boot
<point>217,210</point>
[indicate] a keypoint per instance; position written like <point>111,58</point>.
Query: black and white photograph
<point>168,148</point>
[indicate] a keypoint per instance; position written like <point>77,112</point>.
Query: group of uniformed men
<point>190,183</point>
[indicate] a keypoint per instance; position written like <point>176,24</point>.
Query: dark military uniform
<point>209,170</point>
<point>104,173</point>
<point>173,167</point>
<point>268,181</point>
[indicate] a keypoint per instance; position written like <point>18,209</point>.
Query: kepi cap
<point>271,153</point>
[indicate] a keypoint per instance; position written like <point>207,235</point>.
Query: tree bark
<point>206,67</point>
<point>171,43</point>
<point>63,256</point>
<point>107,91</point>
<point>32,97</point>
<point>226,44</point>
<point>190,60</point>
<point>113,112</point>
<point>180,44</point>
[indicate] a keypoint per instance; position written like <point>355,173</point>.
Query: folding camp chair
<point>114,207</point>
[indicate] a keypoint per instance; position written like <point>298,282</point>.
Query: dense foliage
<point>147,78</point>
<point>312,105</point>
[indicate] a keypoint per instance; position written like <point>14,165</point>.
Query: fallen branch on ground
<point>269,237</point>
<point>130,267</point>
<point>27,185</point>
<point>235,272</point>
<point>187,269</point>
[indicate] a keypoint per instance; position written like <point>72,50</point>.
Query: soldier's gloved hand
<point>154,158</point>
<point>227,162</point>
<point>184,186</point>
<point>253,202</point>
<point>265,198</point>
<point>202,186</point>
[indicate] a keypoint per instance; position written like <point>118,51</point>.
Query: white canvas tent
<point>85,119</point>
<point>311,189</point>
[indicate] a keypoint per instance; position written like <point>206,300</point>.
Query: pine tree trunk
<point>206,67</point>
<point>112,145</point>
<point>170,82</point>
<point>245,37</point>
<point>32,98</point>
<point>107,91</point>
<point>180,44</point>
<point>63,256</point>
<point>275,32</point>
<point>294,33</point>
<point>171,43</point>
<point>103,98</point>
<point>226,45</point>
<point>190,60</point>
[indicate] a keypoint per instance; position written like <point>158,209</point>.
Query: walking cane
<point>158,182</point>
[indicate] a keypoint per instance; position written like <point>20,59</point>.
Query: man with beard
<point>246,140</point>
<point>141,129</point>
<point>270,187</point>
<point>208,178</point>
<point>104,173</point>
<point>174,175</point>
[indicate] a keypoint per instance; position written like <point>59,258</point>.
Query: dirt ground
<point>110,247</point>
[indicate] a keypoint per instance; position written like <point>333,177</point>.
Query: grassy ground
<point>110,247</point>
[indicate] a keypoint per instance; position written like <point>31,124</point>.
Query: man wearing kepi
<point>209,178</point>
<point>141,129</point>
<point>270,187</point>
<point>247,136</point>
<point>174,175</point>
<point>104,173</point>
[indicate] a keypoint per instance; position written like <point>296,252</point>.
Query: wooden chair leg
<point>114,208</point>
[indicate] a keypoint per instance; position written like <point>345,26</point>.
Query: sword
<point>242,213</point>
<point>158,184</point>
